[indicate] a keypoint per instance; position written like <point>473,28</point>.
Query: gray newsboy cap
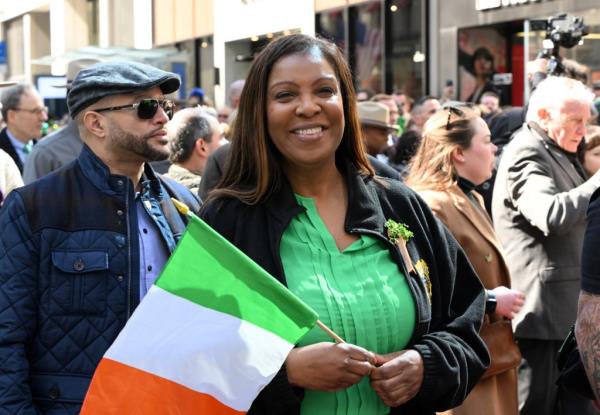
<point>115,78</point>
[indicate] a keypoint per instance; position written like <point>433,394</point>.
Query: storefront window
<point>383,41</point>
<point>332,26</point>
<point>405,47</point>
<point>13,33</point>
<point>206,66</point>
<point>92,21</point>
<point>367,40</point>
<point>482,54</point>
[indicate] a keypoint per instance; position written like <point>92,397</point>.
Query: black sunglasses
<point>146,108</point>
<point>453,110</point>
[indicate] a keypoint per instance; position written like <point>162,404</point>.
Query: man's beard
<point>138,145</point>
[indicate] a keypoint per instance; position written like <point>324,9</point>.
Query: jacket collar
<point>99,174</point>
<point>476,215</point>
<point>567,161</point>
<point>363,213</point>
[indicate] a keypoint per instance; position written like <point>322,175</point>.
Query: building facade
<point>384,41</point>
<point>35,29</point>
<point>415,46</point>
<point>501,28</point>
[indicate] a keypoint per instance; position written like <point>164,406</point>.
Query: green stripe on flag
<point>208,270</point>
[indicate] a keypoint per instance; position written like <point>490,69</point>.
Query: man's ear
<point>543,114</point>
<point>10,115</point>
<point>200,148</point>
<point>95,123</point>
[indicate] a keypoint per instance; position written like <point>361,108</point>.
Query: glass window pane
<point>406,48</point>
<point>368,43</point>
<point>332,26</point>
<point>92,20</point>
<point>206,64</point>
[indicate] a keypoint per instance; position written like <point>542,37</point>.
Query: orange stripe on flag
<point>122,389</point>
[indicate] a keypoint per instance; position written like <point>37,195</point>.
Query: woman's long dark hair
<point>253,171</point>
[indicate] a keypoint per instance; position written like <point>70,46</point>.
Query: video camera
<point>561,30</point>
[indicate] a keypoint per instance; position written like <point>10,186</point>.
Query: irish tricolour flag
<point>209,335</point>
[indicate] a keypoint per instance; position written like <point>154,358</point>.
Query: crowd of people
<point>463,312</point>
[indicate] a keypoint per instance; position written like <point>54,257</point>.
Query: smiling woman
<point>305,113</point>
<point>299,197</point>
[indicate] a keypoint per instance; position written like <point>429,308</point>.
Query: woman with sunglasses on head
<point>456,155</point>
<point>300,198</point>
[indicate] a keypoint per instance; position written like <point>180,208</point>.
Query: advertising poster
<point>481,55</point>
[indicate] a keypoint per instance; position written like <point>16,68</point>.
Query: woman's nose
<point>307,106</point>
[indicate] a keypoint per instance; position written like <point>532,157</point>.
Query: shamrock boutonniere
<point>399,234</point>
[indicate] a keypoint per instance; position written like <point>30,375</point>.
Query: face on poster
<point>482,53</point>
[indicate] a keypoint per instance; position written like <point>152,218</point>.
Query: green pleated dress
<point>360,293</point>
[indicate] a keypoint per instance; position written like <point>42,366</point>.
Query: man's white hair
<point>553,91</point>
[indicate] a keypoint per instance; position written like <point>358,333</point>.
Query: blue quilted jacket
<point>69,280</point>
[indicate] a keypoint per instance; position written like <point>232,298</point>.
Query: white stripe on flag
<point>202,349</point>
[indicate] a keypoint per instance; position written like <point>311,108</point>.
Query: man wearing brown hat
<point>374,118</point>
<point>61,146</point>
<point>80,247</point>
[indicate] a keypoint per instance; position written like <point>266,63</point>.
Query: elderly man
<point>539,206</point>
<point>59,147</point>
<point>193,135</point>
<point>24,112</point>
<point>80,247</point>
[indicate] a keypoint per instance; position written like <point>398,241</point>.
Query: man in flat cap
<point>81,246</point>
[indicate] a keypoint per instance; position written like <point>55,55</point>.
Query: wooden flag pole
<point>330,332</point>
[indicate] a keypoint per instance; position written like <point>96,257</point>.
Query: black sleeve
<point>590,260</point>
<point>215,166</point>
<point>382,169</point>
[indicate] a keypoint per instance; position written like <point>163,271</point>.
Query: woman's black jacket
<point>448,294</point>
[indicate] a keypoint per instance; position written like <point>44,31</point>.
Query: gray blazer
<point>539,207</point>
<point>52,152</point>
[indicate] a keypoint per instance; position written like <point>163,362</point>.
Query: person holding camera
<point>539,207</point>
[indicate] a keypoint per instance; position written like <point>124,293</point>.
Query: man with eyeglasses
<point>81,246</point>
<point>24,112</point>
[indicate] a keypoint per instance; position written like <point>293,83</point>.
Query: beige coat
<point>184,177</point>
<point>472,228</point>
